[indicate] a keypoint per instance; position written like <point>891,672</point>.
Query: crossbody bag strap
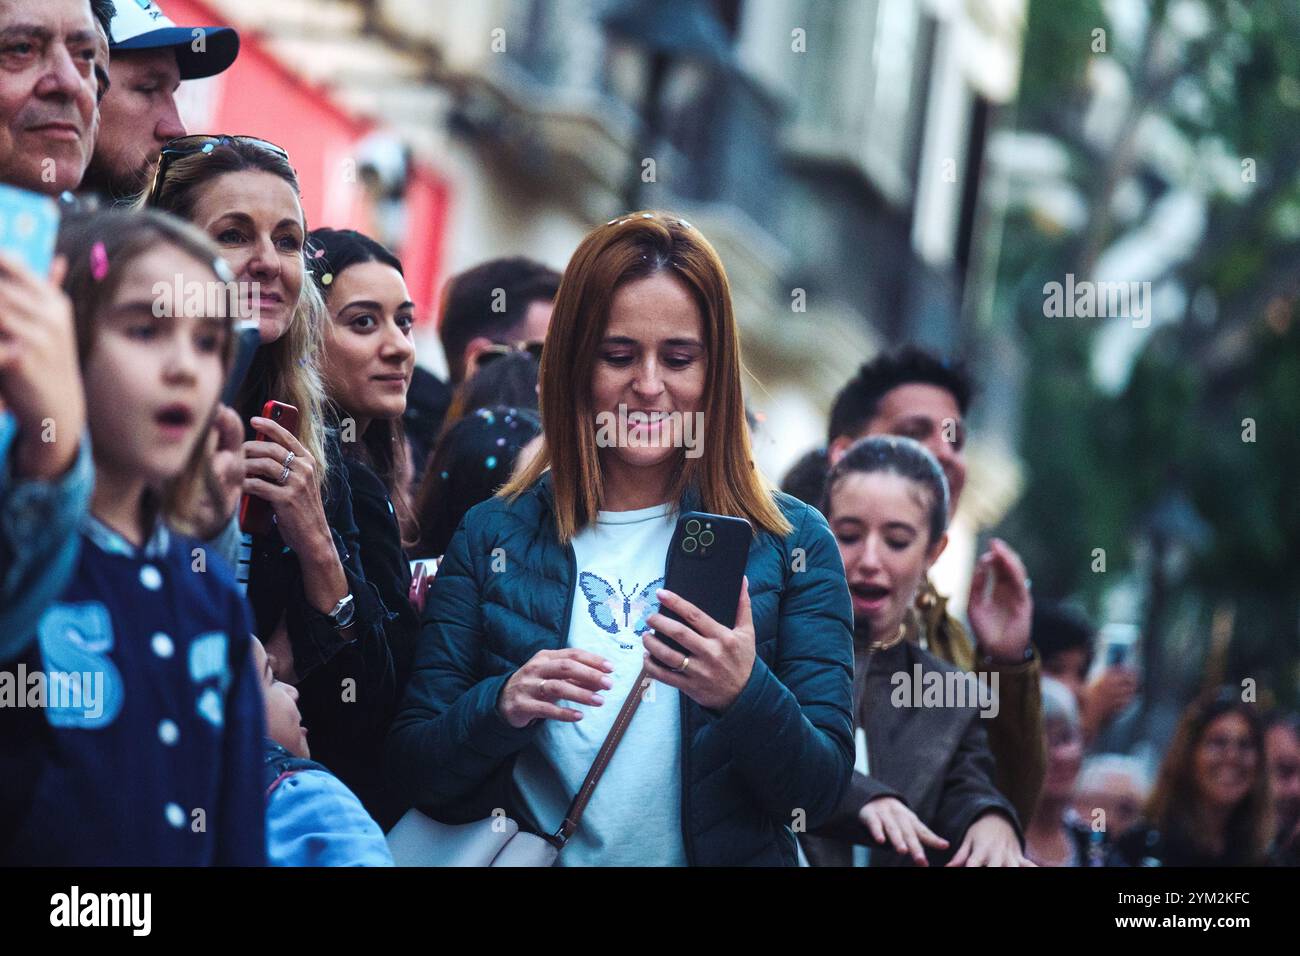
<point>583,797</point>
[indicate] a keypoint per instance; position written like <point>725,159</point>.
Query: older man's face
<point>48,92</point>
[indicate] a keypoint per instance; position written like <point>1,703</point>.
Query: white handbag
<point>420,840</point>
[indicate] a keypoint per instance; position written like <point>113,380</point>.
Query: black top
<point>389,570</point>
<point>427,401</point>
<point>1146,845</point>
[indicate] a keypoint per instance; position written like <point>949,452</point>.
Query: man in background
<point>496,307</point>
<point>52,60</point>
<point>150,57</point>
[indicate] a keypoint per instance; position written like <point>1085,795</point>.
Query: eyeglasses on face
<point>500,349</point>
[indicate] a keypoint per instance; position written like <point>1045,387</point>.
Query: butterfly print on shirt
<point>607,606</point>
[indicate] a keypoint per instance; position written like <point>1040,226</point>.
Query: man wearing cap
<point>150,57</point>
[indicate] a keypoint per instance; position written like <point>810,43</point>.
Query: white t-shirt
<point>634,817</point>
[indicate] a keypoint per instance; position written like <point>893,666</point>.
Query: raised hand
<point>889,820</point>
<point>1000,606</point>
<point>990,841</point>
<point>40,377</point>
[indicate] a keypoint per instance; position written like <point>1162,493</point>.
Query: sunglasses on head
<point>204,143</point>
<point>496,351</point>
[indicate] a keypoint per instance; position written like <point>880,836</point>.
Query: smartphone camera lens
<point>706,538</point>
<point>688,545</point>
<point>692,527</point>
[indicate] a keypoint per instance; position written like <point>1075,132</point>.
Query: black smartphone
<point>706,566</point>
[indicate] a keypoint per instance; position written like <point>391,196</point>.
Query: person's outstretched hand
<point>990,841</point>
<point>890,821</point>
<point>1000,607</point>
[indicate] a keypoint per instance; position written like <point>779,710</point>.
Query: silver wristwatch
<point>343,612</point>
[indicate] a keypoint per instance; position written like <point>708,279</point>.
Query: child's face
<point>283,720</point>
<point>152,381</point>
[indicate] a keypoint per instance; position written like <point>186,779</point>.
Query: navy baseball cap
<point>141,25</point>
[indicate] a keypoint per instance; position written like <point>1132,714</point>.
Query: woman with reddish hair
<point>546,606</point>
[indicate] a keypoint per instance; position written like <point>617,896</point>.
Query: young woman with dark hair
<point>366,364</point>
<point>922,786</point>
<point>519,674</point>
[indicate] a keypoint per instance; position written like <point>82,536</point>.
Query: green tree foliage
<point>1097,463</point>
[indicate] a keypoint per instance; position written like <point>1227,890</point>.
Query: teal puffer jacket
<point>774,763</point>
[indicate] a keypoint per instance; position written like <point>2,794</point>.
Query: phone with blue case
<point>29,227</point>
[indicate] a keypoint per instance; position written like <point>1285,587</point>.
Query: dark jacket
<point>1145,844</point>
<point>386,567</point>
<point>347,688</point>
<point>780,754</point>
<point>934,759</point>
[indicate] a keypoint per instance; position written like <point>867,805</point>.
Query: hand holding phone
<point>255,513</point>
<point>40,379</point>
<point>709,660</point>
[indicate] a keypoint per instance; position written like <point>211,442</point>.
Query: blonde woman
<point>520,670</point>
<point>321,621</point>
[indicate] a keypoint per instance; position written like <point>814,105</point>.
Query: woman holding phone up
<point>547,604</point>
<point>318,616</point>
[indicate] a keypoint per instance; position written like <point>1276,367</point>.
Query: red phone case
<point>255,514</point>
<point>419,586</point>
